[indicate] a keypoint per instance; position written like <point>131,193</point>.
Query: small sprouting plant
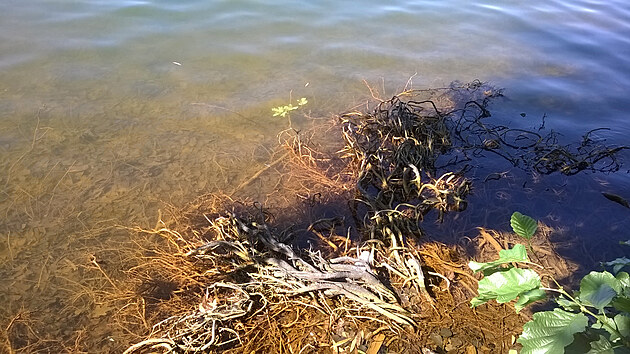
<point>599,312</point>
<point>282,111</point>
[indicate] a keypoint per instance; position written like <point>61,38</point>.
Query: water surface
<point>110,109</point>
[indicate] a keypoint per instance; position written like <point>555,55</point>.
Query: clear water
<point>108,108</point>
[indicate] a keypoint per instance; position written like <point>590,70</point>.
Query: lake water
<point>110,109</point>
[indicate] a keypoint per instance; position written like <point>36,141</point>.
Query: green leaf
<point>622,301</point>
<point>598,289</point>
<point>517,254</point>
<point>278,111</point>
<point>621,323</point>
<point>601,346</point>
<point>479,300</point>
<point>567,304</point>
<point>529,297</point>
<point>506,286</point>
<point>624,279</point>
<point>523,225</point>
<point>282,111</point>
<point>621,304</point>
<point>551,331</point>
<point>617,264</point>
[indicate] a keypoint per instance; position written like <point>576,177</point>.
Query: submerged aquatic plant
<point>282,111</point>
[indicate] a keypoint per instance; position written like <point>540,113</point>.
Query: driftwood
<point>346,276</point>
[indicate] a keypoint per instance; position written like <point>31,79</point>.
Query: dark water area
<point>588,225</point>
<point>110,110</point>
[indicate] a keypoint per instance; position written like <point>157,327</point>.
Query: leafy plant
<point>599,312</point>
<point>282,111</point>
<point>523,225</point>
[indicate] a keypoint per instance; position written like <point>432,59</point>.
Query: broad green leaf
<point>529,297</point>
<point>479,300</point>
<point>551,331</point>
<point>601,346</point>
<point>516,254</point>
<point>624,279</point>
<point>523,225</point>
<point>621,323</point>
<point>567,304</point>
<point>599,288</point>
<point>623,326</point>
<point>617,264</point>
<point>621,304</point>
<point>506,286</point>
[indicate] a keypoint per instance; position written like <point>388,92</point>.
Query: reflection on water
<point>110,109</point>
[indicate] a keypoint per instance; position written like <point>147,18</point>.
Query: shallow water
<point>109,109</point>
